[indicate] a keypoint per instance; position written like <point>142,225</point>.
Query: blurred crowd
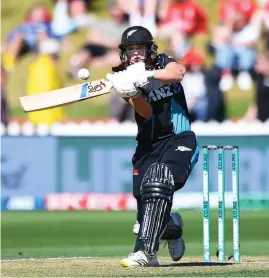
<point>238,45</point>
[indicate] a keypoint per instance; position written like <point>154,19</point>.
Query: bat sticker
<point>87,88</point>
<point>96,88</point>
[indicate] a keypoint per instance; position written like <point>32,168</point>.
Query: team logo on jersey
<point>164,92</point>
<point>183,149</point>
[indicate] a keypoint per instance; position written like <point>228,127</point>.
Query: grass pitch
<point>31,239</point>
<point>110,267</point>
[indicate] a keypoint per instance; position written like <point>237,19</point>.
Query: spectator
<point>79,13</point>
<point>194,85</point>
<point>228,8</point>
<point>266,21</point>
<point>180,20</point>
<point>27,35</point>
<point>260,109</point>
<point>142,13</point>
<point>236,51</point>
<point>261,19</point>
<point>262,92</point>
<point>215,97</point>
<point>4,106</point>
<point>44,76</point>
<point>62,24</point>
<point>204,98</point>
<point>101,48</point>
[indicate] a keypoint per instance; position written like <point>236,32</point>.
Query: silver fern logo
<point>130,33</point>
<point>183,149</point>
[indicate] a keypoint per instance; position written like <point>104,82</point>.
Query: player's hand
<point>139,74</point>
<point>123,84</point>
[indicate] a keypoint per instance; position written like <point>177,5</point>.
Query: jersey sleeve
<point>164,59</point>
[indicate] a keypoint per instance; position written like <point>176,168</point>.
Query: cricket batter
<point>166,149</point>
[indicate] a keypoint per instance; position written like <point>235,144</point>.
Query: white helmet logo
<point>130,33</point>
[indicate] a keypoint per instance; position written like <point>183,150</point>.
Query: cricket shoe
<point>176,247</point>
<point>140,259</point>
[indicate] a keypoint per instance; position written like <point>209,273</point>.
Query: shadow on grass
<point>197,264</point>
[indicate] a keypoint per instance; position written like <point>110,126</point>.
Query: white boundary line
<point>45,259</point>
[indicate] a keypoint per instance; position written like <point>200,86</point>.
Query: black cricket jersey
<point>170,111</point>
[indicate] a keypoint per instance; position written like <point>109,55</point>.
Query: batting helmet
<point>137,35</point>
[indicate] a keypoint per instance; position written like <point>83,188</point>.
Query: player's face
<point>136,53</point>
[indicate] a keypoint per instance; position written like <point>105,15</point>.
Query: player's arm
<point>173,72</point>
<point>141,106</point>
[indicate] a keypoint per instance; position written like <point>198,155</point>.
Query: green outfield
<point>107,236</point>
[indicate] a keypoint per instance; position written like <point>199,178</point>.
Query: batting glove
<point>123,84</point>
<point>139,74</point>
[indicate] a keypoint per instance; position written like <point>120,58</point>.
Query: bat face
<point>65,96</point>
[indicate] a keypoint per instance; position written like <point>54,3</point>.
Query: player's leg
<point>174,226</point>
<point>141,166</point>
<point>173,231</point>
<point>172,235</point>
<point>182,166</point>
<point>181,157</point>
<point>156,191</point>
<point>141,162</point>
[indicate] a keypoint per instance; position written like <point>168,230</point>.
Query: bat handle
<point>109,84</point>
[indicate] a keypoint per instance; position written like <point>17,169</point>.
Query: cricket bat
<point>64,96</point>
